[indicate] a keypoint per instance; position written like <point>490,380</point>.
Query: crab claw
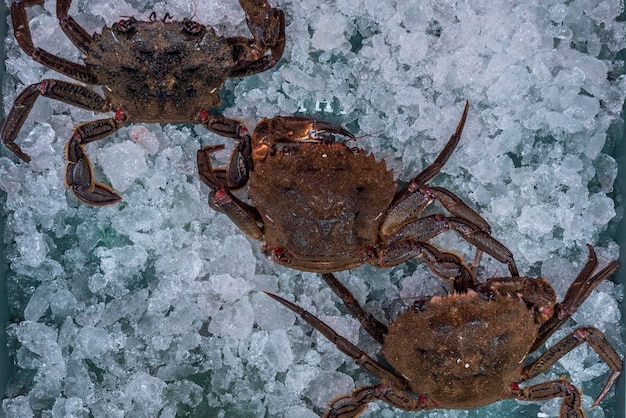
<point>101,195</point>
<point>79,178</point>
<point>297,129</point>
<point>292,130</point>
<point>319,130</point>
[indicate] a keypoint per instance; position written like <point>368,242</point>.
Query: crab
<point>159,71</point>
<point>321,206</point>
<point>468,348</point>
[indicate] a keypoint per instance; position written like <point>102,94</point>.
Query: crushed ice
<point>154,306</point>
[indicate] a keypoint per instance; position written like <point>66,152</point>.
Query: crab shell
<point>161,71</point>
<point>334,196</point>
<point>465,349</point>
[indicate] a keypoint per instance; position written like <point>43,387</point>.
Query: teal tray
<point>5,361</point>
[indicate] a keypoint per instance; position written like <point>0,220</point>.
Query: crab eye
<point>128,25</point>
<point>420,304</point>
<point>192,28</point>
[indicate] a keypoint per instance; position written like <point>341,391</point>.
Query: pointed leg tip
<point>102,195</point>
<point>292,306</point>
<point>15,149</point>
<point>273,296</point>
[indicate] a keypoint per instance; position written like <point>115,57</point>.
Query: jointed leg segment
<point>596,340</point>
<point>354,403</point>
<point>267,26</point>
<point>402,221</point>
<point>560,388</point>
<point>370,324</point>
<point>24,39</point>
<point>578,291</point>
<point>393,389</point>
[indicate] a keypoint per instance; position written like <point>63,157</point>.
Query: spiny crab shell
<point>465,338</point>
<point>308,184</point>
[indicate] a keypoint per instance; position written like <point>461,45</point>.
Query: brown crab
<point>467,349</point>
<point>150,71</point>
<point>321,206</point>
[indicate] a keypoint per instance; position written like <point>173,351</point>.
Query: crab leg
<point>351,404</point>
<point>578,291</point>
<point>418,197</point>
<point>267,26</point>
<point>392,390</point>
<point>571,405</point>
<point>410,203</point>
<point>24,39</point>
<point>293,129</point>
<point>435,167</point>
<point>346,347</point>
<point>445,265</point>
<point>354,403</point>
<point>535,292</point>
<point>288,129</point>
<point>230,128</point>
<point>402,218</point>
<point>75,33</point>
<point>596,340</point>
<point>16,117</point>
<point>63,91</point>
<point>220,199</point>
<point>79,176</point>
<point>56,89</point>
<point>428,227</point>
<point>373,326</point>
<point>240,162</point>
